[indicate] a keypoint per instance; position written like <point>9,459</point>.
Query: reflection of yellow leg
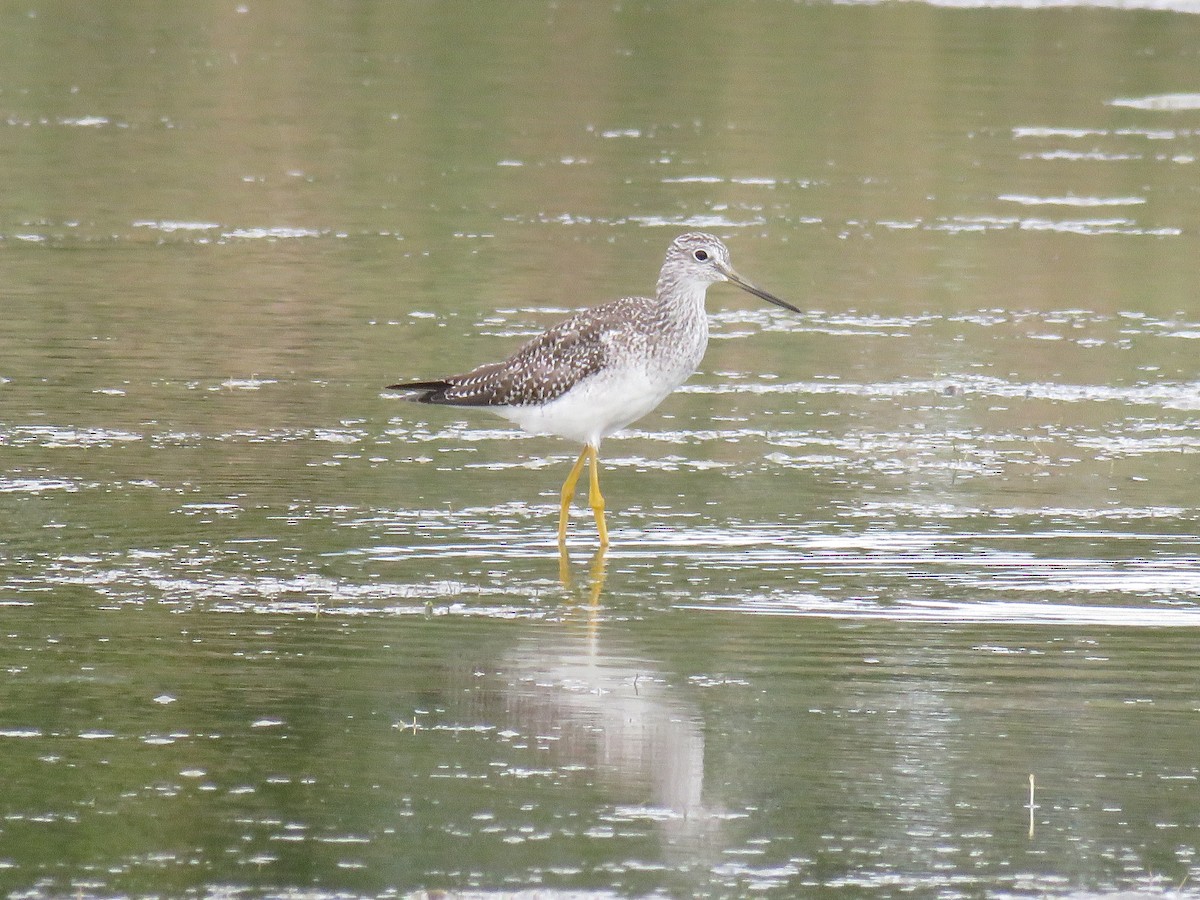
<point>568,491</point>
<point>595,498</point>
<point>597,573</point>
<point>564,565</point>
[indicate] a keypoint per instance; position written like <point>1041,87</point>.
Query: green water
<point>267,631</point>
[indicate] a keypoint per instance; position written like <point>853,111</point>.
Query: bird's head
<point>700,258</point>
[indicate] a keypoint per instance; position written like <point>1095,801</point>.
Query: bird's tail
<point>421,391</point>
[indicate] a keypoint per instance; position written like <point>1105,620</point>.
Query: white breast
<point>596,407</point>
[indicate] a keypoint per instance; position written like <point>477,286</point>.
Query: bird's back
<point>631,333</point>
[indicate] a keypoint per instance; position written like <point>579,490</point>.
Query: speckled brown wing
<point>541,370</point>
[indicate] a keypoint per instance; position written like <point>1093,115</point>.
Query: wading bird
<point>601,368</point>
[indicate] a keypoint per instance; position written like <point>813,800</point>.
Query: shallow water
<point>269,631</point>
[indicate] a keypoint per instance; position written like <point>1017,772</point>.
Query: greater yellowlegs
<point>602,368</point>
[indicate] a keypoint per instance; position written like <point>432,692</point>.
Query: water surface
<point>269,631</point>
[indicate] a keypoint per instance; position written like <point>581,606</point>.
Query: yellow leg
<point>568,491</point>
<point>595,498</point>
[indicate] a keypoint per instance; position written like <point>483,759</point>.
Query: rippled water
<point>903,592</point>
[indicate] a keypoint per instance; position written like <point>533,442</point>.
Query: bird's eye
<point>701,255</point>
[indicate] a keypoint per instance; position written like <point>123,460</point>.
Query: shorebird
<point>601,368</point>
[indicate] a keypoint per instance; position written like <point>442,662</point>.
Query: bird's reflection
<point>615,712</point>
<point>597,573</point>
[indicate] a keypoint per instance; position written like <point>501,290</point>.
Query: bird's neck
<point>683,301</point>
<point>684,326</point>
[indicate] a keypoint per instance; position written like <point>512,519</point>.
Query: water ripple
<point>1006,612</point>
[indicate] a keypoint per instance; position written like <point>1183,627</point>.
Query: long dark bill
<point>758,292</point>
